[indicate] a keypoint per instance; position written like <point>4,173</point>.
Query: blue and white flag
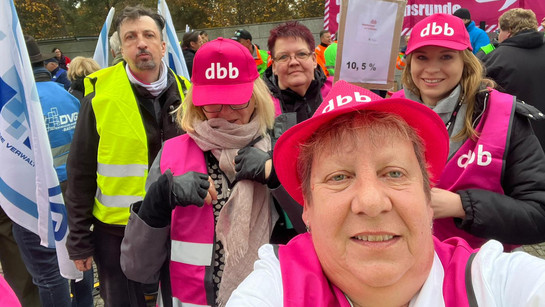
<point>102,50</point>
<point>29,188</point>
<point>174,58</point>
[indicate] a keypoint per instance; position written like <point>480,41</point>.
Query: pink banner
<point>332,15</point>
<point>487,11</point>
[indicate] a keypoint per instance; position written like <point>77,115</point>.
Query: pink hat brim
<point>426,123</point>
<point>222,94</point>
<point>441,43</point>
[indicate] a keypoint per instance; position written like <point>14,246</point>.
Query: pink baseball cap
<point>442,30</point>
<point>344,98</point>
<point>224,72</point>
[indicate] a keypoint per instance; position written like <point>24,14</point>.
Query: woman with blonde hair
<point>491,187</point>
<point>80,67</point>
<point>208,208</point>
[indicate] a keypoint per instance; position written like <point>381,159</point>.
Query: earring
<point>307,226</point>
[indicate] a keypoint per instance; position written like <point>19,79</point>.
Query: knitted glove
<point>250,164</point>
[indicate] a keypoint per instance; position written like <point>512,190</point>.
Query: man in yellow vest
<point>261,57</point>
<point>126,114</point>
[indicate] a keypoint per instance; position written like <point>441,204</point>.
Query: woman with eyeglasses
<point>298,86</point>
<point>294,78</point>
<point>208,206</point>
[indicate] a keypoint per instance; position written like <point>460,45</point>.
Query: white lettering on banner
<point>484,158</point>
<point>430,9</point>
<point>437,30</point>
<point>219,72</point>
<point>342,100</point>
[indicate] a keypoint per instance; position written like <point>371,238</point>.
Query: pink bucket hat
<point>344,98</point>
<point>224,72</point>
<point>439,30</point>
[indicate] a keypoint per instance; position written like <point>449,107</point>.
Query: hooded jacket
<point>518,66</point>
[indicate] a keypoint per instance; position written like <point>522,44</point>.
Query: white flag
<point>102,50</point>
<point>174,57</point>
<point>29,188</point>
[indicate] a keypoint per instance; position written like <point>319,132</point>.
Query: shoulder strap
<point>472,300</point>
<point>182,83</point>
<point>58,74</point>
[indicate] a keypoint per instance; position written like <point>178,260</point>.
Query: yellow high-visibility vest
<point>122,157</point>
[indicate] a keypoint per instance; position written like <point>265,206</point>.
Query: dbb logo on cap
<point>219,72</point>
<point>437,30</point>
<point>340,101</point>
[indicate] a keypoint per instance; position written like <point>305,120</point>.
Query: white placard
<point>368,39</point>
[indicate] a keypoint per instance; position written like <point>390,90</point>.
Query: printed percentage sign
<point>372,66</point>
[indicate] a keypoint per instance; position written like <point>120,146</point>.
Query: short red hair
<point>290,29</point>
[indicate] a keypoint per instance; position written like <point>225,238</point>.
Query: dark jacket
<point>82,161</point>
<point>518,217</point>
<point>77,88</point>
<point>189,55</point>
<point>61,76</point>
<point>290,101</point>
<point>518,66</point>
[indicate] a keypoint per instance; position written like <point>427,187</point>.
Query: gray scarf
<point>444,109</point>
<point>247,219</point>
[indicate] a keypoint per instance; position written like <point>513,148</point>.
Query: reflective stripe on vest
<point>177,303</point>
<point>191,253</point>
<point>126,170</point>
<point>60,154</point>
<point>121,201</point>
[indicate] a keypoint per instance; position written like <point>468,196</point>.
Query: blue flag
<point>29,188</point>
<point>174,57</point>
<point>102,50</point>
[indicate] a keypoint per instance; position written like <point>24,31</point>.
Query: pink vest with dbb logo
<point>304,283</point>
<point>192,230</point>
<point>479,164</point>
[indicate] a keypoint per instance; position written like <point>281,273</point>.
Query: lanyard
<point>449,125</point>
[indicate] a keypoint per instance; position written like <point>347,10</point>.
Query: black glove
<point>155,210</point>
<point>189,189</point>
<point>250,164</point>
<point>167,192</point>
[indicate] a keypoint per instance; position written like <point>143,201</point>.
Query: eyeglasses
<point>300,56</point>
<point>216,108</point>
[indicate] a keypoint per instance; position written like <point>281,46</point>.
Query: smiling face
<point>294,74</point>
<point>142,47</point>
<point>369,215</point>
<point>436,71</point>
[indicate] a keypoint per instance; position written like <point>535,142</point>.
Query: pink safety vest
<point>478,165</point>
<point>304,283</point>
<point>193,229</point>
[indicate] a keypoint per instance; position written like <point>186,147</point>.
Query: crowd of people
<point>260,182</point>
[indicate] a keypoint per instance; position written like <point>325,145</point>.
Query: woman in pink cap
<point>208,208</point>
<point>363,168</point>
<point>493,184</point>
